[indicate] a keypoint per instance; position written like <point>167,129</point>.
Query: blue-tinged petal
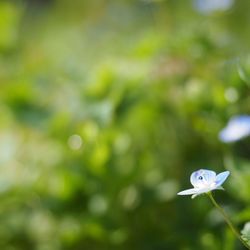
<point>188,191</point>
<point>202,178</point>
<point>238,127</point>
<point>209,6</point>
<point>220,178</point>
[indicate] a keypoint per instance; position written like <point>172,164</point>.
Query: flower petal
<point>203,191</point>
<point>220,178</point>
<point>210,6</point>
<point>189,191</point>
<point>194,195</point>
<point>238,127</point>
<point>202,178</point>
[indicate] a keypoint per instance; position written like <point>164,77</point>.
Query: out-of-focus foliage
<point>106,108</point>
<point>246,232</point>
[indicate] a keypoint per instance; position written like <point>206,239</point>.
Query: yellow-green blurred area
<point>106,108</point>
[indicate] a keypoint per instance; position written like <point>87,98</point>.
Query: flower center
<point>204,181</point>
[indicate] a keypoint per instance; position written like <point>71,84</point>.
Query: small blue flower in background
<point>205,181</point>
<point>237,128</point>
<point>208,6</point>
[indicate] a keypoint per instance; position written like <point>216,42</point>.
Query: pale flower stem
<point>230,224</point>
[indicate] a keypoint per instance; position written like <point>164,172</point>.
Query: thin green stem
<point>230,224</point>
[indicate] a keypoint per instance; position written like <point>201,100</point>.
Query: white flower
<point>238,127</point>
<point>205,181</point>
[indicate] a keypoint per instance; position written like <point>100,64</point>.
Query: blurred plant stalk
<point>228,221</point>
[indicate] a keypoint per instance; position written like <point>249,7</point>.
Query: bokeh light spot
<point>75,142</point>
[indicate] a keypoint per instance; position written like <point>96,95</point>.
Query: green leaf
<point>246,232</point>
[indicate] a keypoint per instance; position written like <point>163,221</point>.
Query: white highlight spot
<point>75,142</point>
<point>231,95</point>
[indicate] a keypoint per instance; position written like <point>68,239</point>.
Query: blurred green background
<point>106,109</point>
